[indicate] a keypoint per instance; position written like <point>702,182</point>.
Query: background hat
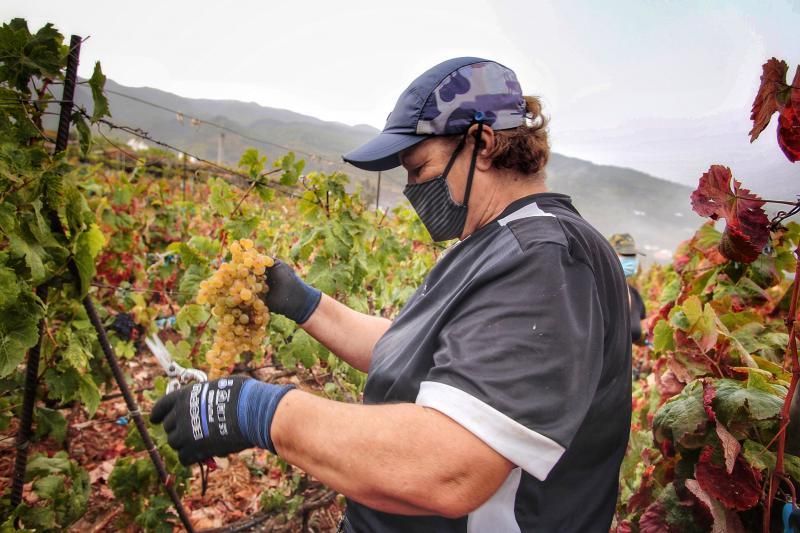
<point>445,100</point>
<point>624,244</point>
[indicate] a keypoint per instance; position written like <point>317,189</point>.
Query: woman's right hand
<point>289,295</point>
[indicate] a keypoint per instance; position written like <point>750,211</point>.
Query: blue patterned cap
<point>445,100</point>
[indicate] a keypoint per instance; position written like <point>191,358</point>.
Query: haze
<point>661,86</point>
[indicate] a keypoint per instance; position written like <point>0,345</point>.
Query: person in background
<point>626,250</point>
<point>499,399</point>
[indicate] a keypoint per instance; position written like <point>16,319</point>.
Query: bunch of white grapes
<point>235,292</point>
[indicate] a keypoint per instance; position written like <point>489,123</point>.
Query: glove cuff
<point>257,404</point>
<point>312,299</point>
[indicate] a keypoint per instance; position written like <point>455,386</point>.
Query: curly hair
<point>525,148</point>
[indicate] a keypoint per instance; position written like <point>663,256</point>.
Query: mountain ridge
<point>614,199</point>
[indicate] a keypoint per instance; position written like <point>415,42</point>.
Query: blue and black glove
<point>219,417</point>
<point>289,295</point>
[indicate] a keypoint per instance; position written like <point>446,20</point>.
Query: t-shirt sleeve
<point>520,360</point>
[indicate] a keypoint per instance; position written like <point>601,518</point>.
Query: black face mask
<point>442,216</point>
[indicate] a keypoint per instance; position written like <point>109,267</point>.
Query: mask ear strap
<point>452,160</point>
<point>472,163</point>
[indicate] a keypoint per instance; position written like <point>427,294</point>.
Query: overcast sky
<point>664,86</point>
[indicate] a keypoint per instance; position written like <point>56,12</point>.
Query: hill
<point>614,199</point>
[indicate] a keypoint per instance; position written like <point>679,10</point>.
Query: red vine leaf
<point>747,229</point>
<point>708,399</point>
<point>739,490</point>
<point>654,519</point>
<point>624,527</point>
<point>725,520</point>
<point>730,446</point>
<point>789,123</point>
<point>773,79</point>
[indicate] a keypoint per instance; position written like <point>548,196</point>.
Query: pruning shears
<point>177,374</point>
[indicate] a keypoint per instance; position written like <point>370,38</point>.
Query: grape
<point>234,291</point>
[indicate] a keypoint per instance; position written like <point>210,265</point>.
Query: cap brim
<point>382,152</point>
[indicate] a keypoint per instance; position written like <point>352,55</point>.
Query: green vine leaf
<point>87,247</point>
<point>18,331</point>
<point>97,83</point>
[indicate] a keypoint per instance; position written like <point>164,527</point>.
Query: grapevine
<point>236,291</point>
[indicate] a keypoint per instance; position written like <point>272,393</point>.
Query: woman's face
<point>428,160</point>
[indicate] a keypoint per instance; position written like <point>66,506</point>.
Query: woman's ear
<point>486,147</point>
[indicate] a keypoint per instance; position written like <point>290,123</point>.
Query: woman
<point>499,398</point>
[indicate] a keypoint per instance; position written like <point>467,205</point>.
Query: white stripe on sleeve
<point>537,454</point>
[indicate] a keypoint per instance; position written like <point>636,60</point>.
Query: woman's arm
<point>398,458</point>
<point>350,335</point>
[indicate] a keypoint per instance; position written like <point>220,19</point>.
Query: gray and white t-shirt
<point>521,334</point>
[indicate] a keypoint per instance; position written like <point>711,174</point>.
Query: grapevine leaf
<point>736,246</point>
<point>730,446</point>
<point>707,237</point>
<point>97,83</point>
<point>773,368</point>
<point>87,246</point>
<point>708,398</point>
<point>49,486</point>
<point>733,321</point>
<point>9,287</point>
<point>291,169</point>
<point>683,418</point>
<point>302,349</point>
<point>265,193</point>
<point>725,520</point>
<point>702,322</point>
<point>242,227</point>
<point>252,162</point>
<point>739,490</point>
<point>8,215</point>
<point>789,123</point>
<point>190,315</point>
<point>42,465</point>
<point>62,386</point>
<point>18,331</point>
<point>189,254</point>
<point>50,422</point>
<point>84,132</point>
<point>89,394</point>
<point>747,229</point>
<point>760,458</point>
<point>738,405</point>
<point>773,78</point>
<point>26,55</point>
<point>191,280</point>
<point>34,256</point>
<point>222,198</point>
<point>76,355</point>
<point>670,514</point>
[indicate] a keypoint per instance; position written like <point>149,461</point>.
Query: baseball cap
<point>445,100</point>
<point>624,244</point>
